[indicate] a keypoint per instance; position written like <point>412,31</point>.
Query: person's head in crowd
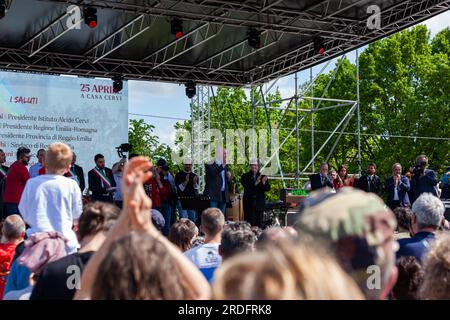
<point>13,229</point>
<point>342,172</point>
<point>158,219</point>
<point>428,212</point>
<point>58,158</point>
<point>371,168</point>
<point>422,160</point>
<point>283,271</point>
<point>97,219</point>
<point>2,157</point>
<point>187,165</point>
<point>257,231</point>
<point>139,267</point>
<point>161,163</point>
<point>165,170</point>
<point>212,222</point>
<point>198,241</point>
<point>74,158</point>
<point>396,169</point>
<point>333,174</point>
<point>436,282</point>
<point>237,237</point>
<point>324,169</point>
<point>99,161</point>
<point>254,165</point>
<point>182,233</point>
<point>410,277</point>
<point>23,155</point>
<point>404,217</point>
<point>359,229</point>
<point>273,235</point>
<point>117,167</point>
<point>41,156</point>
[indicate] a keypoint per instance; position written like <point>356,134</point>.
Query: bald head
<point>13,228</point>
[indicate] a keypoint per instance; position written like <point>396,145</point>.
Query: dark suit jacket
<point>254,196</point>
<point>425,183</point>
<point>2,189</point>
<point>375,187</point>
<point>402,190</point>
<point>95,184</point>
<point>316,182</point>
<point>80,174</point>
<point>213,182</point>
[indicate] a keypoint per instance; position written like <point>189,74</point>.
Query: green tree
<point>144,142</point>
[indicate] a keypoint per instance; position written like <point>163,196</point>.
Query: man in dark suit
<point>101,181</point>
<point>370,182</point>
<point>255,186</point>
<point>218,181</point>
<point>321,180</point>
<point>76,172</point>
<point>397,188</point>
<point>3,173</point>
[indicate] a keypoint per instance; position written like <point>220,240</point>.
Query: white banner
<point>36,110</point>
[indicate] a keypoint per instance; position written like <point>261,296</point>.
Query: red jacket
<point>7,251</point>
<point>15,182</point>
<point>152,190</point>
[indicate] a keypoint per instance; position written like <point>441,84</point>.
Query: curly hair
<point>410,277</point>
<point>237,237</point>
<point>139,267</point>
<point>436,282</point>
<point>182,233</point>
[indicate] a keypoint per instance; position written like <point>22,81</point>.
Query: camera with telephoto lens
<point>420,168</point>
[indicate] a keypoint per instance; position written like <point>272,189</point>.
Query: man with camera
<point>424,179</point>
<point>255,186</point>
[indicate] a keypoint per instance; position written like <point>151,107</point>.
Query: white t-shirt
<point>206,257</point>
<point>50,203</point>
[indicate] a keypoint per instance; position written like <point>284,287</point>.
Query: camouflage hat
<point>358,224</point>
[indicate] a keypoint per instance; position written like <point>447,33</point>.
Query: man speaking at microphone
<point>101,181</point>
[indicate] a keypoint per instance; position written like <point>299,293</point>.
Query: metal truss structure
<point>133,37</point>
<point>200,132</point>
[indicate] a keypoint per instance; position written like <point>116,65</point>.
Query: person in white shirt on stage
<point>34,169</point>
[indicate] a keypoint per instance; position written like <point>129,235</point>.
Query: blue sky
<point>163,104</point>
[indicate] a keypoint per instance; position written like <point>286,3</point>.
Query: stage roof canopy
<point>134,39</point>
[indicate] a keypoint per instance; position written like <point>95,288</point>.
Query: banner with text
<point>36,110</point>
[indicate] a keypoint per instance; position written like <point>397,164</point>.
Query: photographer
<point>423,180</point>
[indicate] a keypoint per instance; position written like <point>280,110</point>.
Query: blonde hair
<point>436,282</point>
<point>58,156</point>
<point>284,271</point>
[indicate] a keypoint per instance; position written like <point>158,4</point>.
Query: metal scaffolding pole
<point>357,112</point>
<point>297,149</point>
<point>312,118</point>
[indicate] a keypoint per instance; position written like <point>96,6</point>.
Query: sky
<point>163,104</point>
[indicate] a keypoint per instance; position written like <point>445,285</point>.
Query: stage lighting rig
<point>191,89</point>
<point>319,46</point>
<point>117,84</point>
<point>254,38</point>
<point>90,16</point>
<point>176,28</point>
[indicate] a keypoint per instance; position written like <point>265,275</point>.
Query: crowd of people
<point>124,242</point>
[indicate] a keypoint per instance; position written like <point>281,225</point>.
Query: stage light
<point>117,84</point>
<point>254,39</point>
<point>176,28</point>
<point>90,16</point>
<point>191,89</point>
<point>2,9</point>
<point>319,46</point>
